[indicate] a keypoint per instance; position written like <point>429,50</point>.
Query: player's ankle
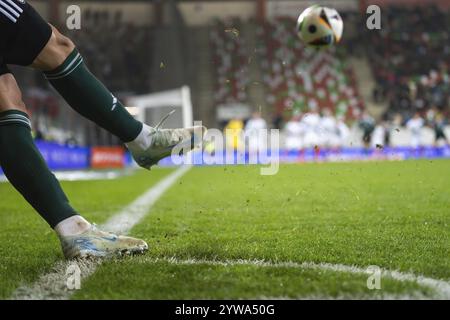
<point>72,226</point>
<point>143,141</point>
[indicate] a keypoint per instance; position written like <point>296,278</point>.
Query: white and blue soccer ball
<point>320,27</point>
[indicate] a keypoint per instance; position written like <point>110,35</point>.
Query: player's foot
<point>164,141</point>
<point>96,243</point>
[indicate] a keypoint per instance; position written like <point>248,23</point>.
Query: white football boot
<point>95,243</point>
<point>164,141</point>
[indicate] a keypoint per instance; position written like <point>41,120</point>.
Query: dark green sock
<point>89,97</point>
<point>27,171</point>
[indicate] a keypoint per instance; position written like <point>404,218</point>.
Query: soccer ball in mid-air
<point>320,27</point>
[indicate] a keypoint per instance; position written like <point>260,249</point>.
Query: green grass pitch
<point>395,215</point>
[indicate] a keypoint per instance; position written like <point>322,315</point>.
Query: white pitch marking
<point>85,175</point>
<point>53,285</point>
<point>440,287</point>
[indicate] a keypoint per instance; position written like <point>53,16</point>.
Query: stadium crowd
<point>410,62</point>
<point>410,58</point>
<point>298,79</point>
<point>293,78</point>
<point>230,62</point>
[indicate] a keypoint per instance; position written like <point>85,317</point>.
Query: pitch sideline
<point>53,285</point>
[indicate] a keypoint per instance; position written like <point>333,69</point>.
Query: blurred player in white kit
<point>254,132</point>
<point>328,130</point>
<point>343,131</point>
<point>294,131</point>
<point>415,125</point>
<point>378,136</point>
<point>311,122</point>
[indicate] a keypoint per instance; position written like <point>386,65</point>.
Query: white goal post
<point>150,108</point>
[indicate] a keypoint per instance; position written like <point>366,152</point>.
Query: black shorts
<point>23,34</point>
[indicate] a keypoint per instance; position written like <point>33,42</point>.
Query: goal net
<point>151,108</point>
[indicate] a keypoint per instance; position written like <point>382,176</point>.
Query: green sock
<point>89,97</point>
<point>27,171</point>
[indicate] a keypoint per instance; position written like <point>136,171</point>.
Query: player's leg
<point>27,171</point>
<point>22,36</point>
<point>65,69</point>
<point>22,162</point>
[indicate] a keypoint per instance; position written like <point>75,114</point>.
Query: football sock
<point>143,141</point>
<point>72,226</point>
<point>89,97</point>
<point>27,171</point>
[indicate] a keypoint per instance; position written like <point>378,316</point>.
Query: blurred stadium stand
<point>410,59</point>
<point>244,55</point>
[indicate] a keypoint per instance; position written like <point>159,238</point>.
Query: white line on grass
<point>53,285</point>
<point>441,288</point>
<point>85,175</point>
<point>415,295</point>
